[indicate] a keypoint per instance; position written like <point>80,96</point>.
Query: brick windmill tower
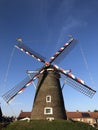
<point>48,101</point>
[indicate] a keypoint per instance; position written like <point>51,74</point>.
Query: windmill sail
<point>30,52</point>
<point>18,88</point>
<point>79,85</point>
<point>83,88</point>
<point>63,51</point>
<point>76,83</point>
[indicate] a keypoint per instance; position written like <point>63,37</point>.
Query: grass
<point>47,125</point>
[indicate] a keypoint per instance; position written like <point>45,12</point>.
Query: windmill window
<point>48,98</point>
<point>48,110</point>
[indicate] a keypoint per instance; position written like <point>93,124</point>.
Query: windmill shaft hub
<point>47,64</point>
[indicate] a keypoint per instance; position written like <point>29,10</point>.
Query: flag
<point>19,39</point>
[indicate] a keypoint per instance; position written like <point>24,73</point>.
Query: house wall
<point>90,121</point>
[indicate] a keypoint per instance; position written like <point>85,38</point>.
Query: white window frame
<point>48,96</point>
<point>49,113</point>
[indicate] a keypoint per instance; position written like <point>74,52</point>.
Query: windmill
<point>48,101</point>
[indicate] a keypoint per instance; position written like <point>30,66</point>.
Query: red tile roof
<point>94,114</point>
<point>24,115</point>
<point>82,114</point>
<point>69,115</point>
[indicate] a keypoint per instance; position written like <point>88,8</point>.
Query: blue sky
<point>44,25</point>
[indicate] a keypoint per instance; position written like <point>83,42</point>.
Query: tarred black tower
<point>48,102</point>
